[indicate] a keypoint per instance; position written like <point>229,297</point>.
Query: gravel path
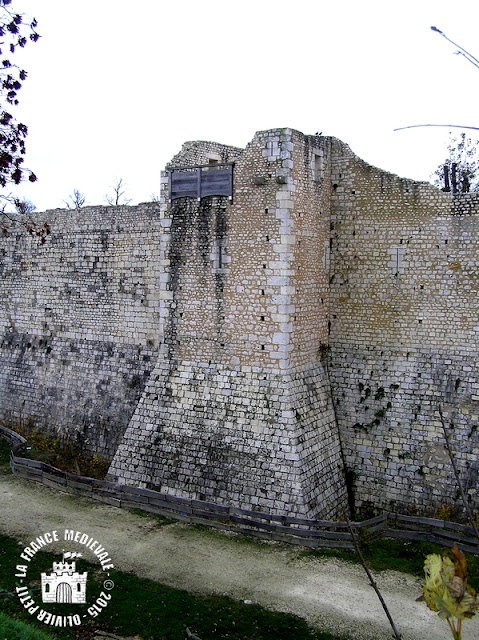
<point>328,593</point>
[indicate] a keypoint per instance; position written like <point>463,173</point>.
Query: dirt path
<point>325,592</point>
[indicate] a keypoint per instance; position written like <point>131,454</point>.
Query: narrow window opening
<point>317,166</point>
<point>220,257</point>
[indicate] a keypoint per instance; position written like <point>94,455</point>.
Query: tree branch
<point>456,474</point>
<point>397,635</point>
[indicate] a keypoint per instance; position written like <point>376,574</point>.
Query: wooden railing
<point>300,531</point>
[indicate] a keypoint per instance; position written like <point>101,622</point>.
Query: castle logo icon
<point>65,584</point>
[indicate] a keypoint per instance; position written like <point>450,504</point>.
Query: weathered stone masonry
<point>404,334</point>
<point>250,350</point>
<point>79,322</point>
<point>238,408</point>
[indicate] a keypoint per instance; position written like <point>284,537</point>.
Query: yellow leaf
<point>446,592</point>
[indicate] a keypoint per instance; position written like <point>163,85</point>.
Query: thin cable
<point>457,126</point>
<point>466,54</point>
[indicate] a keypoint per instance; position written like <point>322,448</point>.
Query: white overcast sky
<point>114,88</point>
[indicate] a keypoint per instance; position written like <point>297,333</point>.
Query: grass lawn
<point>153,611</point>
<point>150,610</point>
<point>11,629</point>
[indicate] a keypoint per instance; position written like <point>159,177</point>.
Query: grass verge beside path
<point>392,554</point>
<point>150,610</point>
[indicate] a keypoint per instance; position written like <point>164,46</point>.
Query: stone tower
<point>238,408</point>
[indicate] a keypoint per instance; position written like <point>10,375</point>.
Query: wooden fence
<point>300,531</point>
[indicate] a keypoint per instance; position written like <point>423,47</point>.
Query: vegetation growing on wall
<point>51,451</point>
<point>459,172</point>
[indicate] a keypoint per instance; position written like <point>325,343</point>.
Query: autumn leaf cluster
<point>14,33</point>
<point>446,590</point>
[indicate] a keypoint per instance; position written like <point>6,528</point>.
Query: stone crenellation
<point>284,348</point>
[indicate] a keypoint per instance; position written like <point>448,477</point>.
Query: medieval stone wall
<point>404,334</point>
<point>242,350</point>
<point>238,408</point>
<point>201,152</point>
<point>79,322</point>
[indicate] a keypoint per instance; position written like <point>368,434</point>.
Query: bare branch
<point>456,474</point>
<point>75,200</point>
<point>25,206</point>
<point>397,635</point>
<point>119,190</point>
<point>36,230</point>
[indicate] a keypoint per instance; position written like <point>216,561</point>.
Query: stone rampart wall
<point>238,409</point>
<point>200,344</point>
<point>79,319</point>
<point>404,334</point>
